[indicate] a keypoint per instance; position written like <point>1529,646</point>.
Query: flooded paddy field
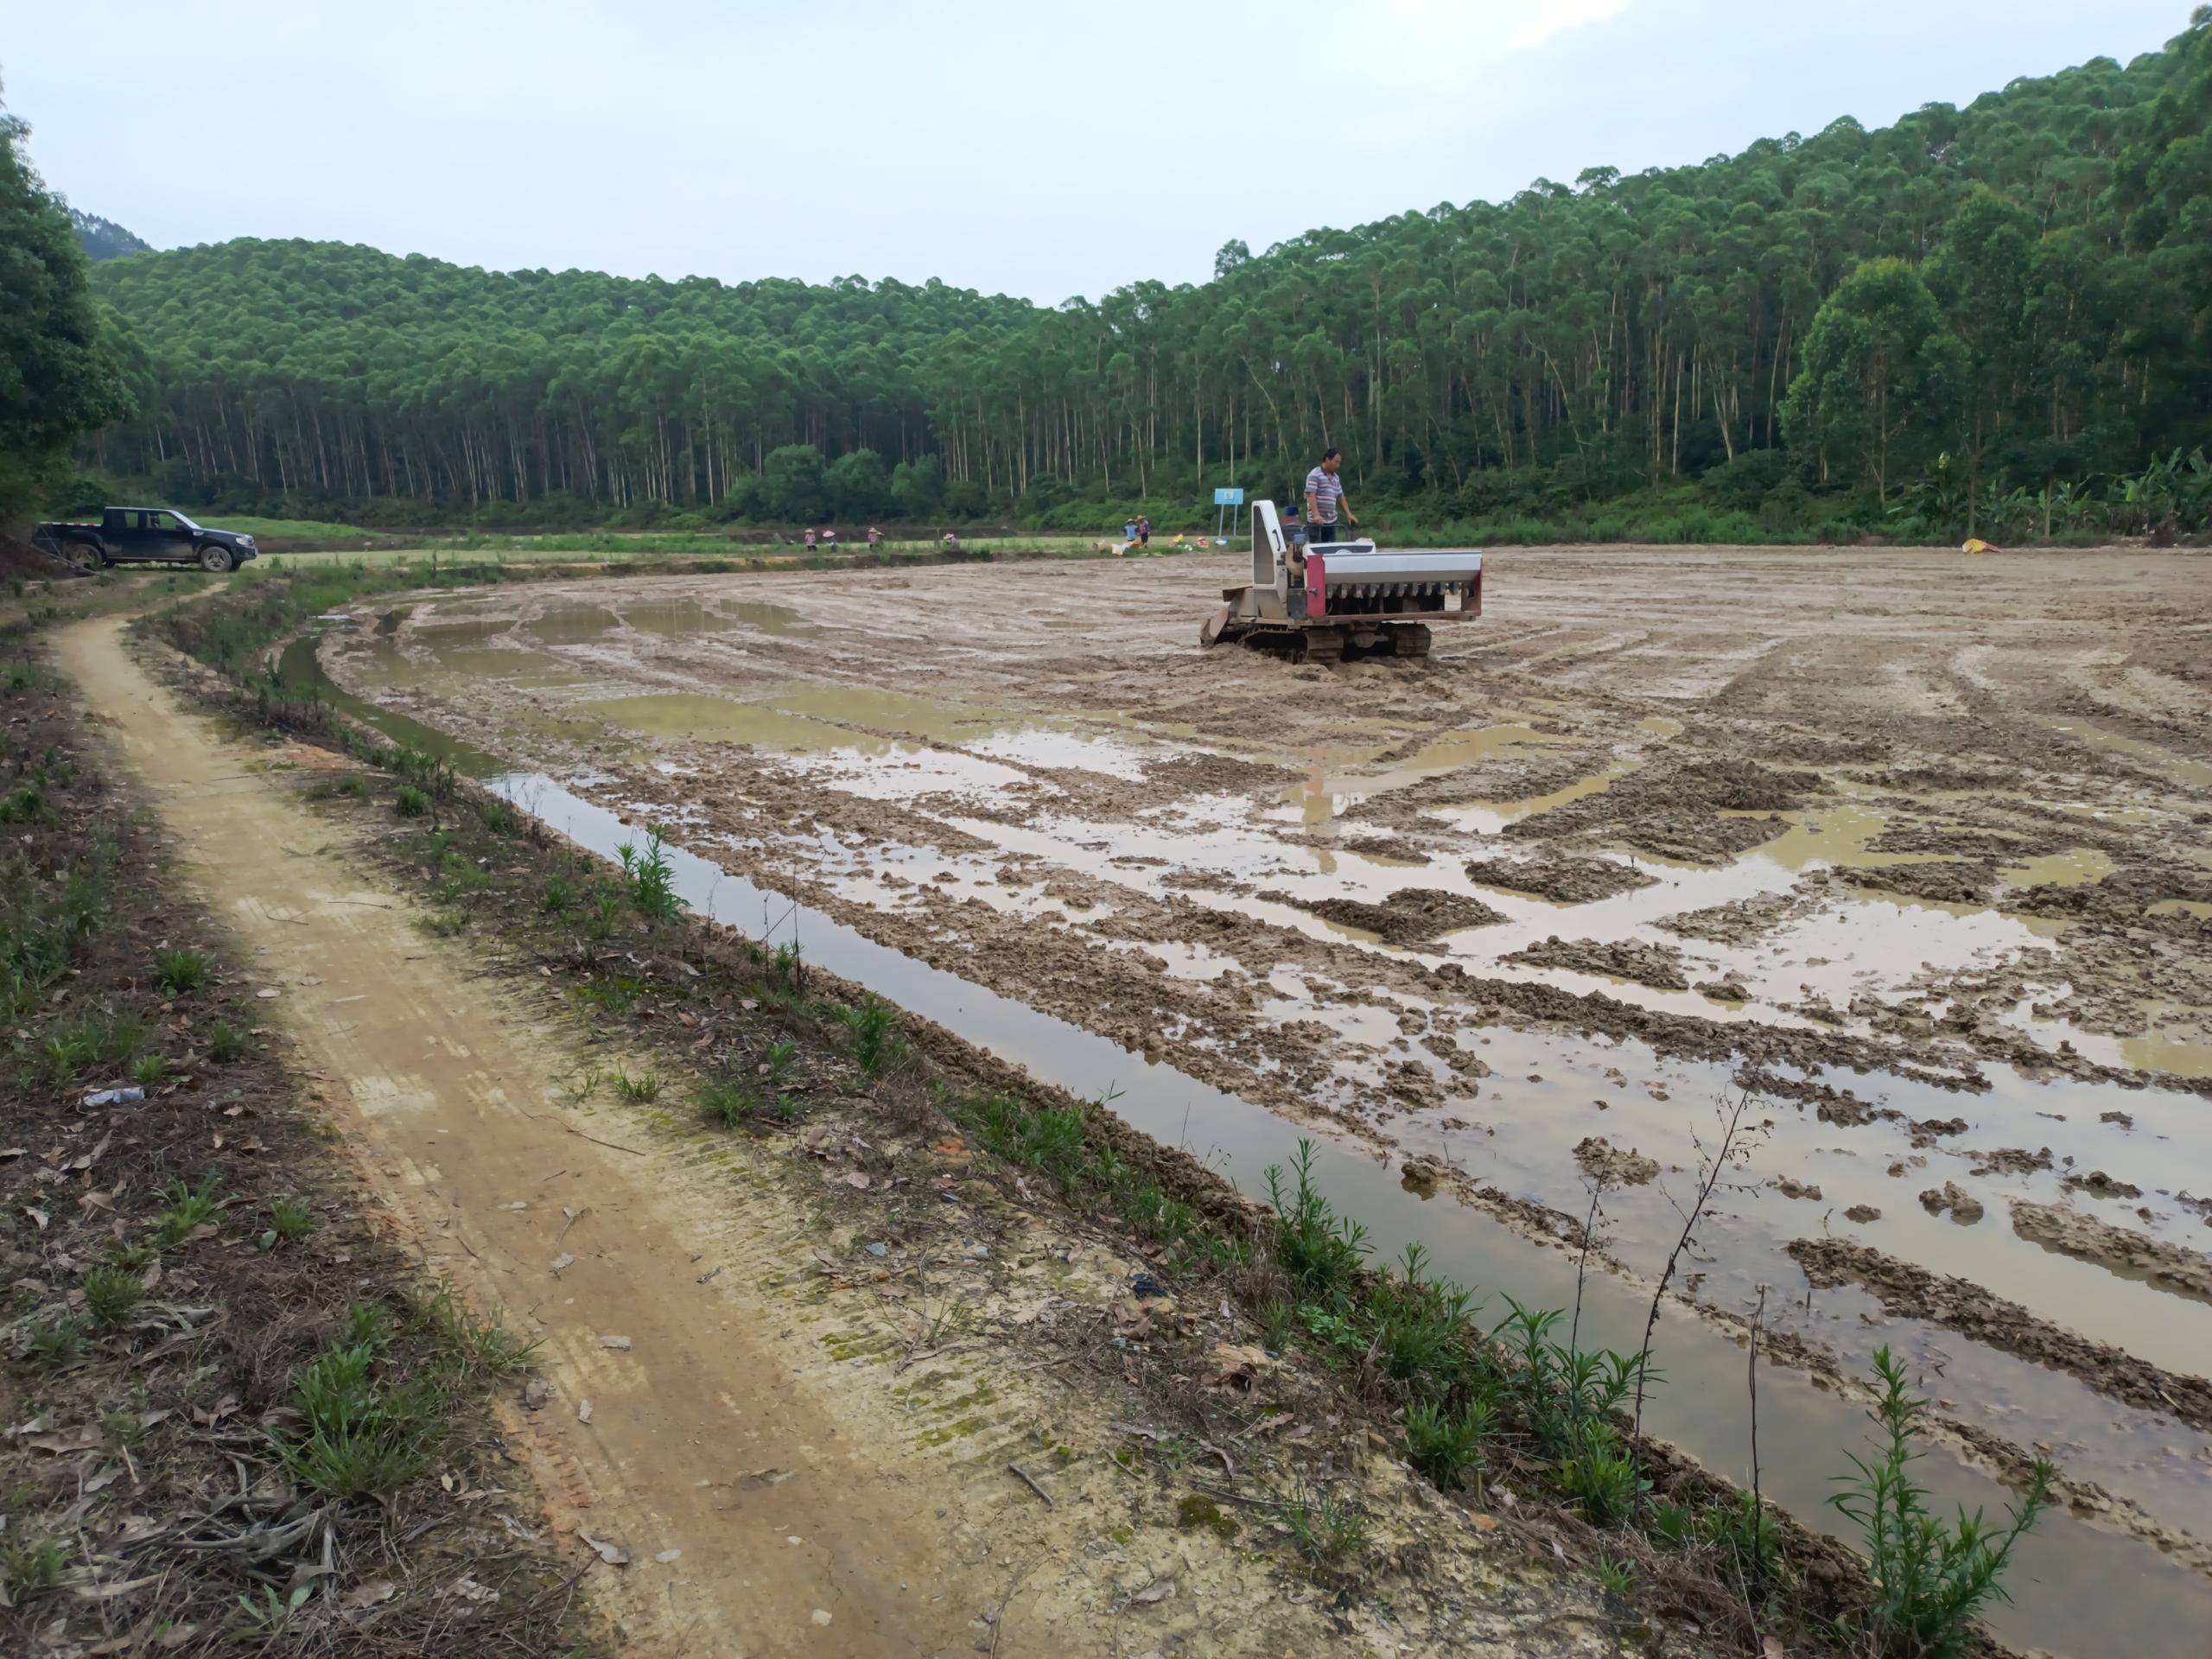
<point>1913,849</point>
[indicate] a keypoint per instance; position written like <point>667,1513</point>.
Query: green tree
<point>1880,378</point>
<point>917,489</point>
<point>58,378</point>
<point>857,484</point>
<point>792,482</point>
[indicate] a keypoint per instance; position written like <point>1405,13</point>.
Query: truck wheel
<point>86,556</point>
<point>217,559</point>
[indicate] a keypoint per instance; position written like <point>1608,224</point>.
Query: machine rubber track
<point>1318,644</point>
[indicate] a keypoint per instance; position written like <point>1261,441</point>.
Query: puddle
<point>896,712</point>
<point>1835,836</point>
<point>694,716</point>
<point>2155,1053</point>
<point>781,620</point>
<point>302,664</point>
<point>571,625</point>
<point>672,619</point>
<point>2075,868</point>
<point>1490,818</point>
<point>1334,782</point>
<point>2182,770</point>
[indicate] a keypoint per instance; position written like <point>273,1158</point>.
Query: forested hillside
<point>103,238</point>
<point>1999,316</point>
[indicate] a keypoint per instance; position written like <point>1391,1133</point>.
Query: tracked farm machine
<point>1320,602</point>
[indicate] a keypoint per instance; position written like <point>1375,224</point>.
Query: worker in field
<point>875,536</point>
<point>1325,499</point>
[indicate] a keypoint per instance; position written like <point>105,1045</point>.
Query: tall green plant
<point>1931,1576</point>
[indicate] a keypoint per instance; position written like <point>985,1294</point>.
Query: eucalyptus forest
<point>1993,319</point>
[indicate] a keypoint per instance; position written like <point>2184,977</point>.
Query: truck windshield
<point>182,519</point>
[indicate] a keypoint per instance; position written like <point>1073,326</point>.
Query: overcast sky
<point>1046,149</point>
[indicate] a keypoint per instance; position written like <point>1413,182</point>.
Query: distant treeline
<point>1997,318</point>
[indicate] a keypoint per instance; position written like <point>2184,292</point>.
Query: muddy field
<point>1916,848</point>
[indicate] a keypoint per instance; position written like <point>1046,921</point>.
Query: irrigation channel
<point>2078,1589</point>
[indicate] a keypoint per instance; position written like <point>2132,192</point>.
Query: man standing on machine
<point>1324,499</point>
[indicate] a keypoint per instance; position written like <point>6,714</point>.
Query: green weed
<point>876,1039</point>
<point>1320,1250</point>
<point>182,971</point>
<point>24,804</point>
<point>290,1218</point>
<point>269,1614</point>
<point>1600,1474</point>
<point>641,1090</point>
<point>187,1212</point>
<point>1931,1576</point>
<point>606,913</point>
<point>728,1103</point>
<point>1446,1445</point>
<point>410,802</point>
<point>470,1350</point>
<point>112,1293</point>
<point>29,1566</point>
<point>226,1043</point>
<point>1325,1528</point>
<point>651,878</point>
<point>358,1438</point>
<point>149,1071</point>
<point>58,1342</point>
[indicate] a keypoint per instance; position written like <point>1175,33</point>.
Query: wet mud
<point>1923,873</point>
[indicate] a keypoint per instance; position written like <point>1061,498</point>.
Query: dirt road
<point>1910,844</point>
<point>451,1095</point>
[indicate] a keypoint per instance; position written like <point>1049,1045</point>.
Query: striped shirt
<point>1327,490</point>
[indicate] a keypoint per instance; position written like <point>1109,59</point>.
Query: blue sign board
<point>1229,497</point>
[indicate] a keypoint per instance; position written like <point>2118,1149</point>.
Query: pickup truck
<point>143,536</point>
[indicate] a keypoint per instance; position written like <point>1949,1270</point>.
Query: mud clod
<point>1656,965</point>
<point>1413,917</point>
<point>1562,880</point>
<point>1613,1166</point>
<point>1965,1208</point>
<point>2130,1255</point>
<point>1908,1292</point>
